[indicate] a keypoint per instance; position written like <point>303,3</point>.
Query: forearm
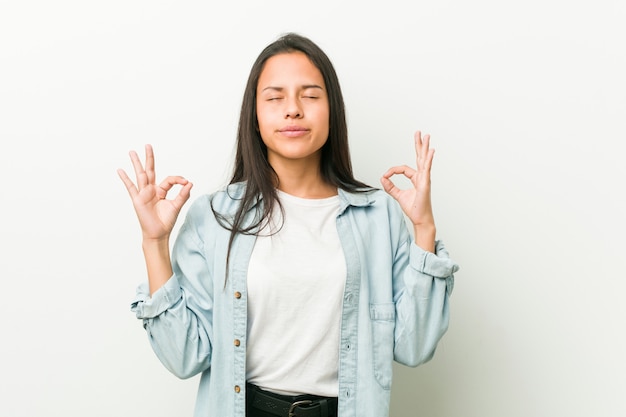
<point>425,236</point>
<point>158,263</point>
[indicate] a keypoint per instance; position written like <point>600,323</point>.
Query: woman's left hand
<point>415,201</point>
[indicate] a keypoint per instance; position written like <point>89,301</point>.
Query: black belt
<point>290,406</point>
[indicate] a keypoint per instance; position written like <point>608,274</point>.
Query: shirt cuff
<point>146,307</point>
<point>438,264</point>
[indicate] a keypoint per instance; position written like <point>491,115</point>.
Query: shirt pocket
<point>383,318</point>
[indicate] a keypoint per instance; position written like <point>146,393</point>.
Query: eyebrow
<point>304,87</point>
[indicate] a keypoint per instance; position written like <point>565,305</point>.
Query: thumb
<point>389,187</point>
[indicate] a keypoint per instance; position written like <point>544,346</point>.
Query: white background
<point>526,105</point>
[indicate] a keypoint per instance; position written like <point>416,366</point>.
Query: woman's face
<point>292,109</point>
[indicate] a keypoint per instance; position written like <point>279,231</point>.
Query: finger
<point>420,140</point>
<point>389,187</point>
<point>171,181</point>
<point>418,147</point>
<point>405,170</point>
<point>426,153</point>
<point>140,174</point>
<point>183,195</point>
<point>419,144</point>
<point>150,172</point>
<point>425,144</point>
<point>428,161</point>
<point>417,138</point>
<point>130,186</point>
<point>423,151</point>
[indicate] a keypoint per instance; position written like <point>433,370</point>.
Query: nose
<point>293,109</point>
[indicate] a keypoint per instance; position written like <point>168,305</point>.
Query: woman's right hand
<point>157,215</point>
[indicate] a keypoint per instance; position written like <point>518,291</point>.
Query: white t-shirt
<point>296,280</point>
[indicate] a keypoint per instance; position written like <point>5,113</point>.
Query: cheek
<point>263,125</point>
<point>263,117</point>
<point>325,119</point>
<point>260,121</point>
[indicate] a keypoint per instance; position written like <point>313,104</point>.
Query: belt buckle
<point>298,404</point>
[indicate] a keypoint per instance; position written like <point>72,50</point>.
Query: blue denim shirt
<point>395,304</point>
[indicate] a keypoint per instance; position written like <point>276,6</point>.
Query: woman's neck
<point>303,181</point>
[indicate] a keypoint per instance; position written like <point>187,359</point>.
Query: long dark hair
<point>251,164</point>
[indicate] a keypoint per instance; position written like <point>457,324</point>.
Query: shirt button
<point>237,294</point>
<point>237,342</point>
<point>237,389</point>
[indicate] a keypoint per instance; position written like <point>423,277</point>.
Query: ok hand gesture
<point>415,201</point>
<point>157,215</point>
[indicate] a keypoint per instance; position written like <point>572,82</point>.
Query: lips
<point>293,131</point>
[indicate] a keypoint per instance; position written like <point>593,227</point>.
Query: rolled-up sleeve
<point>423,285</point>
<point>147,307</point>
<point>437,265</point>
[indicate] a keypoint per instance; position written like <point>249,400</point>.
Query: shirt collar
<point>358,199</point>
<point>346,198</point>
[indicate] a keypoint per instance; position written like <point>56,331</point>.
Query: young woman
<point>294,288</point>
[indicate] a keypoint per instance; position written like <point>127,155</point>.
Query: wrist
<point>158,264</point>
<point>159,244</point>
<point>425,236</point>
